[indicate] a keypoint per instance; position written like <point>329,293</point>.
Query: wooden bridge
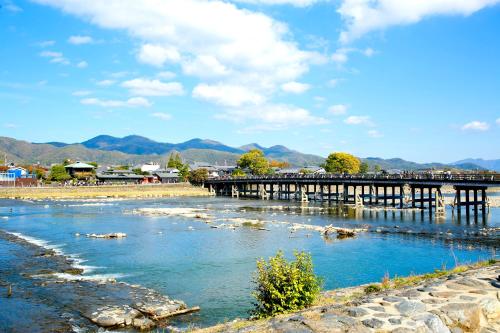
<point>403,191</point>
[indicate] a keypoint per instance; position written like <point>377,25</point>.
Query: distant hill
<point>486,164</point>
<point>134,149</point>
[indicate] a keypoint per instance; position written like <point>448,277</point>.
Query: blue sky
<point>417,79</point>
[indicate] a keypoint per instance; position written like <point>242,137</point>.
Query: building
<point>214,170</point>
<point>167,177</point>
<point>79,169</point>
<point>150,167</point>
<point>119,177</point>
<point>18,172</point>
<point>305,170</point>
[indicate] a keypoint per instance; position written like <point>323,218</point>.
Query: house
<point>306,170</point>
<point>119,177</point>
<point>79,169</point>
<point>214,170</point>
<point>167,177</point>
<point>18,172</point>
<point>150,167</point>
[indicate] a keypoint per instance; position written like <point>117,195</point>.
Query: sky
<point>415,79</point>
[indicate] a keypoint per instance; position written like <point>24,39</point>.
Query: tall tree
<point>342,163</point>
<point>255,161</point>
<point>363,168</point>
<point>58,173</point>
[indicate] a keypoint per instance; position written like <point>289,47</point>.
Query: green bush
<point>372,288</point>
<point>283,286</point>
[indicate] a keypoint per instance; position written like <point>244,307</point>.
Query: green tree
<point>364,167</point>
<point>305,171</point>
<point>58,173</point>
<point>174,161</point>
<point>198,176</point>
<point>255,161</point>
<point>283,286</point>
<point>342,163</point>
<point>238,173</point>
<point>184,172</point>
<point>377,168</point>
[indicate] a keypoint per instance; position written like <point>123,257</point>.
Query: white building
<point>150,167</point>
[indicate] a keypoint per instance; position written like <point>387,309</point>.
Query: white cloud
<point>109,103</point>
<point>82,64</point>
<point>46,43</point>
<point>369,52</point>
<point>81,93</point>
<point>272,117</point>
<point>80,40</point>
<point>166,75</point>
<point>340,56</point>
<point>157,55</point>
<point>145,87</point>
<point>295,87</point>
<point>105,83</point>
<point>205,66</point>
<point>209,39</point>
<point>338,109</point>
<point>297,3</point>
<point>359,120</point>
<point>227,95</point>
<point>375,134</point>
<point>363,16</point>
<point>476,126</point>
<point>162,115</point>
<point>55,57</point>
<point>11,7</point>
<point>334,82</point>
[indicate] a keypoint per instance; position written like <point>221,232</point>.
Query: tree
<point>283,286</point>
<point>279,164</point>
<point>377,168</point>
<point>305,171</point>
<point>198,176</point>
<point>58,173</point>
<point>364,167</point>
<point>255,161</point>
<point>174,161</point>
<point>238,173</point>
<point>342,163</point>
<point>184,172</point>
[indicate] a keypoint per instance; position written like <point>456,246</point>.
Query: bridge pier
<point>477,203</point>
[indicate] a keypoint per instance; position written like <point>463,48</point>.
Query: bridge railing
<point>396,177</point>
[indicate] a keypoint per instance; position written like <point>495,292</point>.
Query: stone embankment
<point>109,191</point>
<point>461,302</point>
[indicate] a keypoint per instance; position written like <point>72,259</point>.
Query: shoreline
<point>73,300</point>
<point>466,298</point>
<point>102,192</point>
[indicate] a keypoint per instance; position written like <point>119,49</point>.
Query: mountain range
<point>134,149</point>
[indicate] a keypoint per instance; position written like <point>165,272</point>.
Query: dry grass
<point>112,191</point>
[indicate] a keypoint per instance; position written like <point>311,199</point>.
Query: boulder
<point>433,322</point>
<point>465,315</point>
<point>409,308</point>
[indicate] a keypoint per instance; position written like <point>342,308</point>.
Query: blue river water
<point>186,259</point>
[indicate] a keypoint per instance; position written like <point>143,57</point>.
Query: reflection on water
<point>187,259</point>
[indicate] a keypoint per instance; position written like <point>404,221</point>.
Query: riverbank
<point>54,292</point>
<point>111,191</point>
<point>464,299</point>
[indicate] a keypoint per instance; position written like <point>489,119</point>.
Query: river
<point>187,259</point>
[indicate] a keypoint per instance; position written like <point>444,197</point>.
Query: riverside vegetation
<point>463,299</point>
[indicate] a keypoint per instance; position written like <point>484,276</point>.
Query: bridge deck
<point>473,180</point>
